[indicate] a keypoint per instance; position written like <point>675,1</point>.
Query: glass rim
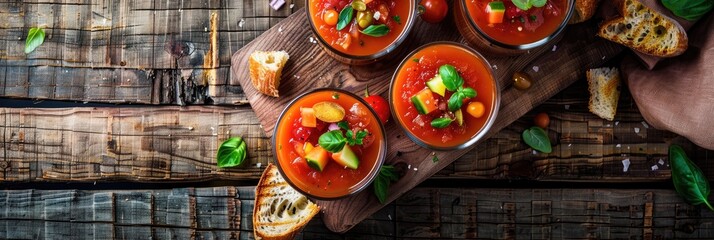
<point>362,184</point>
<point>476,136</point>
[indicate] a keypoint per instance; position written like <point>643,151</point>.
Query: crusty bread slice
<point>584,10</point>
<point>646,31</point>
<point>266,69</point>
<point>604,86</point>
<point>279,211</point>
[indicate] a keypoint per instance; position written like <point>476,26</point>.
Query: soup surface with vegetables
<point>328,143</point>
<point>443,95</point>
<point>360,27</point>
<point>517,22</point>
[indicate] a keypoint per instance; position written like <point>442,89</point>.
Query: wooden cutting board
<point>553,68</point>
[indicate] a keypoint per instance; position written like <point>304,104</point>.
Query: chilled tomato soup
<point>328,170</point>
<point>360,27</point>
<point>424,102</point>
<point>503,21</point>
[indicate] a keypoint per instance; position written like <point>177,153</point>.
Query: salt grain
<point>625,165</point>
<point>637,130</point>
<point>554,48</point>
<point>494,66</point>
<point>603,57</point>
<point>377,15</point>
<point>618,145</point>
<point>645,124</point>
<point>410,166</point>
<point>276,4</point>
<point>570,144</point>
<point>280,29</point>
<point>661,162</point>
<point>389,216</point>
<point>535,152</point>
<point>241,22</point>
<point>536,68</point>
<point>616,123</point>
<point>258,164</point>
<point>655,167</point>
<point>292,6</point>
<point>415,169</point>
<point>567,106</point>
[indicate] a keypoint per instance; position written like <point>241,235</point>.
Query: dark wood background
<point>120,155</point>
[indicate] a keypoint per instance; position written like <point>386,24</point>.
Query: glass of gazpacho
<point>329,143</point>
<point>444,96</point>
<point>361,31</point>
<point>510,27</point>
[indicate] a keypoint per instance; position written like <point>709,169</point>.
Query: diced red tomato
<point>308,117</point>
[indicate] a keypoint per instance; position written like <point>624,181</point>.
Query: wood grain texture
<point>128,51</point>
<point>168,144</point>
<point>578,51</point>
<point>422,213</point>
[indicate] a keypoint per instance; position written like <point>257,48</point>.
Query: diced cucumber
<point>424,101</point>
<point>317,158</point>
<point>459,117</point>
<point>436,85</point>
<point>346,158</point>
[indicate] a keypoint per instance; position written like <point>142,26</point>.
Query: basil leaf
<point>397,19</point>
<point>332,141</point>
<point>537,139</point>
<point>689,9</point>
<point>35,38</point>
<point>539,3</point>
<point>468,92</point>
<point>231,153</point>
<point>451,77</point>
<point>387,174</point>
<point>455,101</point>
<point>343,125</point>
<point>344,18</point>
<point>522,4</point>
<point>688,179</point>
<point>376,30</point>
<point>441,122</point>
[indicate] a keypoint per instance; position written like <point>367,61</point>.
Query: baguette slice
<point>604,86</point>
<point>279,211</point>
<point>584,10</point>
<point>266,69</point>
<point>645,31</point>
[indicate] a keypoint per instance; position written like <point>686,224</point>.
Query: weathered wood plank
<point>178,144</point>
<point>422,213</point>
<point>113,51</point>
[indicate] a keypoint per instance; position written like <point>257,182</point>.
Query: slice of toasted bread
<point>646,31</point>
<point>266,69</point>
<point>584,10</point>
<point>604,86</point>
<point>279,211</point>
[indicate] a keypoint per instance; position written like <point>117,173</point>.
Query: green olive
<point>359,5</point>
<point>364,19</point>
<point>521,81</point>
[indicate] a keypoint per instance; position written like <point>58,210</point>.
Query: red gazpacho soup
<point>443,95</point>
<point>360,27</point>
<point>329,144</point>
<point>505,20</point>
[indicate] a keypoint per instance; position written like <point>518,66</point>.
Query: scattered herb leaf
<point>416,60</point>
<point>387,175</point>
<point>345,17</point>
<point>455,101</point>
<point>35,38</point>
<point>231,153</point>
<point>689,9</point>
<point>397,19</point>
<point>376,30</point>
<point>688,179</point>
<point>434,158</point>
<point>537,139</point>
<point>441,122</point>
<point>335,95</point>
<point>452,79</point>
<point>332,141</point>
<point>352,138</point>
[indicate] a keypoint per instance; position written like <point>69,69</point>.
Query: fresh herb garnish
<point>35,38</point>
<point>345,17</point>
<point>537,139</point>
<point>688,179</point>
<point>689,9</point>
<point>416,60</point>
<point>332,141</point>
<point>397,19</point>
<point>231,153</point>
<point>527,4</point>
<point>441,122</point>
<point>452,79</point>
<point>434,158</point>
<point>376,30</point>
<point>387,175</point>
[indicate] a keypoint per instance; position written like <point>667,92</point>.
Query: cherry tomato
<point>380,106</point>
<point>476,109</point>
<point>330,17</point>
<point>433,11</point>
<point>541,120</point>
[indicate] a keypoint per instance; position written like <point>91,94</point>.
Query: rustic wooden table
<point>100,144</point>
